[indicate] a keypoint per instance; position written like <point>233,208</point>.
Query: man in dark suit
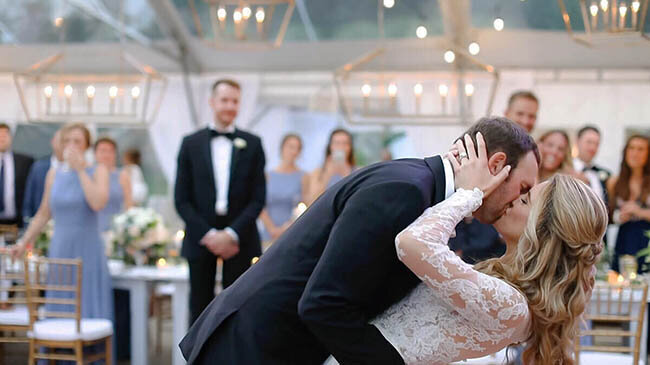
<point>588,144</point>
<point>35,185</point>
<point>220,191</point>
<point>315,290</point>
<point>14,168</point>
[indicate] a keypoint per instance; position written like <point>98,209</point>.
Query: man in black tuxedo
<point>588,144</point>
<point>14,169</point>
<point>220,191</point>
<point>315,290</point>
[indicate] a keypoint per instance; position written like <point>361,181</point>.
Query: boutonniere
<point>602,175</point>
<point>239,143</point>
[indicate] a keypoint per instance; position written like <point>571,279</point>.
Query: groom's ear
<point>497,162</point>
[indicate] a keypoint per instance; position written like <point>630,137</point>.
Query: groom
<point>315,290</point>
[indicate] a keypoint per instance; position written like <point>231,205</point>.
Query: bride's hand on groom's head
<point>471,169</point>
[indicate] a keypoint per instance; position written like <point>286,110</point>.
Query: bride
<point>535,293</point>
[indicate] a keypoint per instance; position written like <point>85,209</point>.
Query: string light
<point>449,56</point>
<point>635,6</point>
<point>48,90</point>
<point>260,15</point>
<point>112,92</point>
<point>366,90</point>
<point>593,9</point>
<point>135,92</point>
<point>421,32</point>
<point>237,16</point>
<point>418,89</point>
<point>469,89</point>
<point>474,48</point>
<point>90,91</point>
<point>443,90</point>
<point>67,90</point>
<point>392,90</point>
<point>498,24</point>
<point>222,14</point>
<point>246,12</point>
<point>389,3</point>
<point>604,4</point>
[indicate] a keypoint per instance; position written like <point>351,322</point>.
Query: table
<point>138,281</point>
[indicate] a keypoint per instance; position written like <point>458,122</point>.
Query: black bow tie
<point>216,133</point>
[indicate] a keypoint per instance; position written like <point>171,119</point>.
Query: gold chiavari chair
<point>56,285</point>
<point>619,305</point>
<point>14,315</point>
<point>9,232</point>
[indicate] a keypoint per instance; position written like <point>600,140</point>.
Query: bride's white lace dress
<point>457,312</point>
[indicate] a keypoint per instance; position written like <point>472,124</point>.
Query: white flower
<point>239,143</point>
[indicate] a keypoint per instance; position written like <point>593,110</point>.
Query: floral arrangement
<point>138,236</point>
<point>42,243</point>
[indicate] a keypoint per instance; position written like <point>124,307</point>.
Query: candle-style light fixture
<point>607,21</point>
<point>224,34</point>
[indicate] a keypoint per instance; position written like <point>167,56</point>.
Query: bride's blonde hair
<point>553,265</point>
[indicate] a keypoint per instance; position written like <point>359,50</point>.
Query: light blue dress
<point>283,193</point>
<point>114,204</point>
<point>76,235</point>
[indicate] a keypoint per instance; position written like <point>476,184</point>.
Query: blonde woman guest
<point>284,187</point>
<point>119,198</point>
<point>131,164</point>
<point>555,150</point>
<point>339,163</point>
<point>74,194</point>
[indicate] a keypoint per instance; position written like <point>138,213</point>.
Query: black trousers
<point>202,279</point>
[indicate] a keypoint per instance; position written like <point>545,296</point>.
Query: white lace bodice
<point>457,312</point>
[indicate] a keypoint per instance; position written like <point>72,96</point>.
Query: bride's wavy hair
<point>553,265</point>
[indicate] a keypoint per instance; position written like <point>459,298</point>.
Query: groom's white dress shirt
<point>221,148</point>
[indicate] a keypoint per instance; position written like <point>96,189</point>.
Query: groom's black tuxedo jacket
<point>315,290</point>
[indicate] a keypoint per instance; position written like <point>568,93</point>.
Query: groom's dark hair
<point>503,135</point>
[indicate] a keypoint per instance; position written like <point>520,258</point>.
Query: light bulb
<point>469,89</point>
<point>474,48</point>
<point>389,3</point>
<point>604,4</point>
<point>593,9</point>
<point>392,90</point>
<point>366,90</point>
<point>135,92</point>
<point>112,92</point>
<point>418,89</point>
<point>498,24</point>
<point>90,91</point>
<point>421,32</point>
<point>246,12</point>
<point>443,90</point>
<point>67,90</point>
<point>259,14</point>
<point>635,6</point>
<point>622,10</point>
<point>48,90</point>
<point>237,16</point>
<point>58,21</point>
<point>222,14</point>
<point>450,56</point>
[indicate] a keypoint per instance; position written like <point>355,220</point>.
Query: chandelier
<point>414,98</point>
<point>50,94</point>
<point>608,20</point>
<point>243,23</point>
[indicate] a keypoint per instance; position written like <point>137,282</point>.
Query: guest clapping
<point>284,187</point>
<point>119,197</point>
<point>73,195</point>
<point>339,163</point>
<point>629,199</point>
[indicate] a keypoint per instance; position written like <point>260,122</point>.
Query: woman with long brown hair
<point>629,200</point>
<point>339,163</point>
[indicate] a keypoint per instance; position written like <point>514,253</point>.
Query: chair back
<point>616,304</point>
<point>9,232</point>
<point>12,281</point>
<point>53,288</point>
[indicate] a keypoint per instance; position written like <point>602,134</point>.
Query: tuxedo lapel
<point>206,151</point>
<point>439,178</point>
<point>234,157</point>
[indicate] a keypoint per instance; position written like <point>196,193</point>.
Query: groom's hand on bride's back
<point>473,168</point>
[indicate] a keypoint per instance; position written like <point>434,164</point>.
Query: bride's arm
<point>481,299</point>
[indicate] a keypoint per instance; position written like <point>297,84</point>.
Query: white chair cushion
<point>18,315</point>
<point>65,329</point>
<point>598,358</point>
<point>165,289</point>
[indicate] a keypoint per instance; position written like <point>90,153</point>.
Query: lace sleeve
<point>484,300</point>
